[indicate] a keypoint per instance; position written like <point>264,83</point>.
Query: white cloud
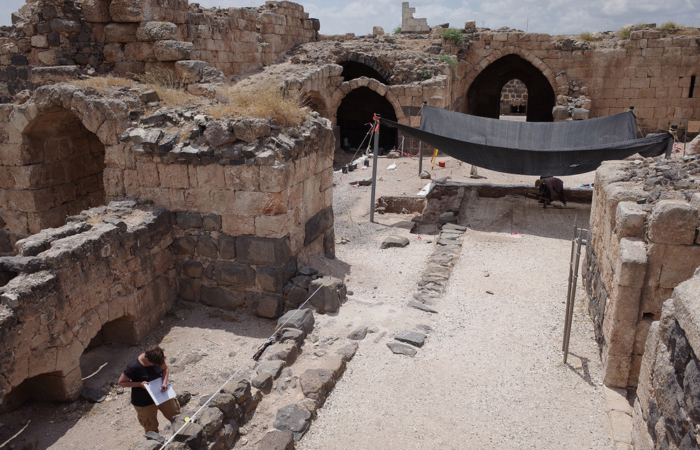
<point>542,16</point>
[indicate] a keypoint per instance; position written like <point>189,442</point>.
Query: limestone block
<point>673,222</point>
<point>629,220</point>
<point>275,178</point>
<point>377,31</point>
<point>157,31</point>
<point>274,226</point>
<point>242,178</point>
<point>580,114</point>
<point>173,50</point>
<point>39,41</point>
<point>120,32</point>
<point>237,225</point>
<point>173,175</point>
<point>139,51</point>
<point>257,203</point>
<point>114,53</point>
<point>129,10</point>
<point>189,71</point>
<point>616,369</point>
<point>632,263</point>
<point>97,11</point>
<point>211,176</point>
<point>560,113</point>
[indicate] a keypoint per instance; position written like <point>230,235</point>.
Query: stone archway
<point>65,169</point>
<point>375,94</point>
<point>357,65</point>
<point>356,111</point>
<point>315,101</point>
<point>486,82</point>
<point>41,190</point>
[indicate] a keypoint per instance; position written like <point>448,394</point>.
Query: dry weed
<point>264,101</point>
<point>103,82</point>
<point>167,85</point>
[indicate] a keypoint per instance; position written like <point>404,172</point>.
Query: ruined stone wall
<point>239,205</point>
<point>667,405</point>
<point>130,37</point>
<point>650,71</point>
<point>111,270</point>
<point>513,96</point>
<point>643,243</point>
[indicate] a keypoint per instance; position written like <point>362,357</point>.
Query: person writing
<point>148,366</point>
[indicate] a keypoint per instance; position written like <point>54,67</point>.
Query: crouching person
<point>145,368</point>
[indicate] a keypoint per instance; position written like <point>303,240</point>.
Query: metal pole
<point>573,296</point>
<point>420,157</point>
<point>568,292</point>
<point>374,166</point>
<point>420,145</point>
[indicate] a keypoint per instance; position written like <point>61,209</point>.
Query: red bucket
<point>441,163</point>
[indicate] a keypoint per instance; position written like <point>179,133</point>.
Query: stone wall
<point>513,97</point>
<point>643,243</point>
<point>110,272</point>
<point>133,36</point>
<point>667,405</point>
<point>650,71</point>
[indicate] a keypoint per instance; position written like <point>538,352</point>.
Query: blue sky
<point>542,16</point>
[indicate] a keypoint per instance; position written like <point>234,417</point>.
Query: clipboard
<point>153,389</point>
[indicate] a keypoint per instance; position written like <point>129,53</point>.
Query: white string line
<point>95,373</point>
<point>16,434</point>
<point>240,368</point>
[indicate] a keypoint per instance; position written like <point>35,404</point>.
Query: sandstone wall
<point>133,36</point>
<point>112,272</point>
<point>642,245</point>
<point>649,71</point>
<point>667,405</point>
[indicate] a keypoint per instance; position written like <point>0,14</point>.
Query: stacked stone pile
<point>666,179</point>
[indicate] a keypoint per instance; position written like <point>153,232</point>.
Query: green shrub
<point>670,26</point>
<point>624,33</point>
<point>397,30</point>
<point>454,35</point>
<point>448,59</point>
<point>426,75</point>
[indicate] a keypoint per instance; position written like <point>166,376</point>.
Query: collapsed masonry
<point>223,215</point>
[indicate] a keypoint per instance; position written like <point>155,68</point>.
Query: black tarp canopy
<point>534,148</point>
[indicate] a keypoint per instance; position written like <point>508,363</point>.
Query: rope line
<point>255,357</point>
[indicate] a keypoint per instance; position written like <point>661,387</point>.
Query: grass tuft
<point>264,101</point>
<point>102,82</point>
<point>448,59</point>
<point>397,30</point>
<point>587,37</point>
<point>670,26</point>
<point>624,33</point>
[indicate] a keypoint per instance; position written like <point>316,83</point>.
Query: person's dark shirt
<point>137,372</point>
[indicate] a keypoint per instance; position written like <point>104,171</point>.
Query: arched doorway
<point>353,69</point>
<point>66,163</point>
<point>484,94</point>
<point>514,99</point>
<point>355,113</point>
